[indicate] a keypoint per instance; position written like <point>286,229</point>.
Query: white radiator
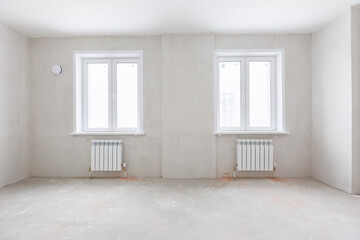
<point>255,155</point>
<point>106,155</point>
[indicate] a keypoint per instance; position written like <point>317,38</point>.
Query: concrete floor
<point>177,209</point>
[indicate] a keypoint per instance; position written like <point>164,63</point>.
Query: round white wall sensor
<point>56,69</point>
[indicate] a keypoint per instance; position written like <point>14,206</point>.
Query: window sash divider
<point>114,95</point>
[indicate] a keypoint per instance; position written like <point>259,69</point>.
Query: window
<point>108,92</point>
<point>249,92</point>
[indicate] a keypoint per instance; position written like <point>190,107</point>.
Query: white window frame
<point>277,81</point>
<point>85,108</point>
<point>81,59</point>
<point>242,61</point>
<point>272,93</point>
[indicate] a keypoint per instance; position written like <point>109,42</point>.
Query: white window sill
<point>253,133</point>
<point>107,133</point>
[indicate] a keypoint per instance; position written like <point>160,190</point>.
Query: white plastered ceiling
<point>44,18</point>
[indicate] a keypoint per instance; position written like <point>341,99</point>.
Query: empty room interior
<point>180,119</point>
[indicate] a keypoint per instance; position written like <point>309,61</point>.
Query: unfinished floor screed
<point>177,209</point>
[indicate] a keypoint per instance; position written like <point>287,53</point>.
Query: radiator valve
<point>274,170</point>
<point>124,167</point>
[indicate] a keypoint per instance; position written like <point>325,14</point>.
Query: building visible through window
<point>248,91</point>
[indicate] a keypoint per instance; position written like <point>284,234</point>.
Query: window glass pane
<point>127,96</point>
<point>260,94</point>
<point>98,95</point>
<point>229,94</point>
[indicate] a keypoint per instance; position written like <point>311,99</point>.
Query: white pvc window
<point>109,93</point>
<point>248,92</point>
<point>126,95</point>
<point>231,71</point>
<point>97,92</point>
<point>260,93</point>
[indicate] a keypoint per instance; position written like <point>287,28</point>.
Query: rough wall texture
<point>332,103</point>
<point>188,143</point>
<point>14,106</point>
<point>178,107</point>
<point>57,154</point>
<point>355,58</point>
<point>293,151</point>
